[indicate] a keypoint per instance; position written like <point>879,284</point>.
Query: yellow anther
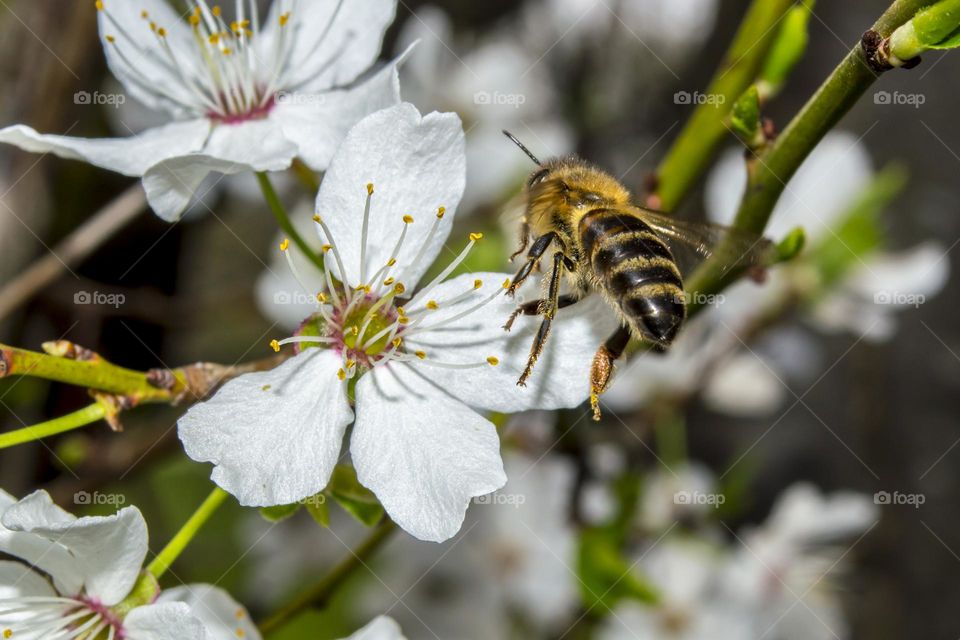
<point>351,364</point>
<point>420,354</point>
<point>285,244</point>
<point>475,237</point>
<point>441,211</point>
<point>228,51</point>
<point>241,633</point>
<point>477,284</point>
<point>265,387</point>
<point>194,20</point>
<point>214,39</point>
<point>144,14</point>
<point>355,330</point>
<point>217,11</point>
<point>365,288</point>
<point>493,361</point>
<point>316,219</point>
<point>369,188</point>
<point>342,374</point>
<point>403,319</point>
<point>326,247</point>
<point>401,312</point>
<point>399,288</point>
<point>284,19</point>
<point>396,342</point>
<point>391,262</point>
<point>8,633</point>
<point>322,297</point>
<point>153,27</point>
<point>408,219</point>
<point>239,614</point>
<point>506,283</point>
<point>388,282</point>
<point>99,5</point>
<point>275,345</point>
<point>432,304</point>
<point>162,32</point>
<point>111,39</point>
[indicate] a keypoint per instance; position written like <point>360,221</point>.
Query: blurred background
<point>790,468</point>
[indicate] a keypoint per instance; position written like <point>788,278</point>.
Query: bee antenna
<point>523,148</point>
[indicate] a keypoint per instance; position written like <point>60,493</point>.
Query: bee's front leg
<point>536,251</point>
<point>524,239</point>
<point>602,368</point>
<point>533,308</point>
<point>548,309</point>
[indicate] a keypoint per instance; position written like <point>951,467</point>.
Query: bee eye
<point>538,177</point>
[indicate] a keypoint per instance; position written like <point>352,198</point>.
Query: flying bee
<point>628,254</point>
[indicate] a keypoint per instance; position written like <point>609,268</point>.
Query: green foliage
<point>791,245</point>
<point>355,499</point>
<point>279,512</point>
<point>935,27</point>
<point>787,49</point>
<point>745,117</point>
<point>605,575</point>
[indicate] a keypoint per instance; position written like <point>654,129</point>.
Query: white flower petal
<point>744,385</point>
<point>130,156</point>
<point>416,165</point>
<point>128,62</point>
<point>108,550</point>
<point>423,453</point>
<point>319,122</point>
<point>257,145</point>
<point>331,55</point>
<point>18,580</point>
<point>222,616</point>
<point>275,435</point>
<point>905,277</point>
<point>380,628</point>
<point>561,378</point>
<point>164,621</point>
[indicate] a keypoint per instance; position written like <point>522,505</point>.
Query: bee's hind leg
<point>602,368</point>
<point>534,307</point>
<point>548,309</point>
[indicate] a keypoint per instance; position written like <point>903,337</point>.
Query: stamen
<point>426,243</point>
<point>276,344</point>
<point>462,314</point>
<point>363,233</point>
<point>336,254</point>
<point>474,238</point>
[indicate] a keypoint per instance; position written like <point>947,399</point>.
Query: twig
<point>321,593</point>
<point>74,248</point>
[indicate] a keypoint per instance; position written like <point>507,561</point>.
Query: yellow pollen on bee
<point>399,288</point>
<point>369,188</point>
<point>441,211</point>
<point>420,354</point>
<point>432,304</point>
<point>342,374</point>
<point>326,247</point>
<point>476,237</point>
<point>275,345</point>
<point>493,361</point>
<point>391,262</point>
<point>477,284</point>
<point>285,244</point>
<point>506,283</point>
<point>408,219</point>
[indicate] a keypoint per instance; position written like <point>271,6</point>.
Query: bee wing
<point>694,242</point>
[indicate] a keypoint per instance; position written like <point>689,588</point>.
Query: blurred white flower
<point>425,361</point>
<point>677,494</point>
<point>239,96</point>
<point>81,577</point>
<point>494,85</point>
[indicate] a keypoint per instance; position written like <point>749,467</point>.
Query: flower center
<point>79,618</point>
<point>223,69</point>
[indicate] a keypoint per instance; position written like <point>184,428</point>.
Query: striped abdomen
<point>636,269</point>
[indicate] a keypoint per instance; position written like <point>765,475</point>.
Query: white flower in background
<point>81,578</point>
<point>681,493</point>
<point>241,95</point>
<point>408,367</point>
<point>496,84</point>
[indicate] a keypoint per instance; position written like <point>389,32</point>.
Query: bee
<point>629,254</point>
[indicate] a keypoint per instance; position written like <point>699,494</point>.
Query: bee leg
<point>536,251</point>
<point>602,368</point>
<point>532,308</point>
<point>524,239</point>
<point>547,308</point>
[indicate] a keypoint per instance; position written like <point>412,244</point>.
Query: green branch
<point>270,194</point>
<point>693,149</point>
<point>321,593</point>
<point>187,532</point>
<point>69,422</point>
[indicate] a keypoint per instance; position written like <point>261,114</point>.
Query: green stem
<point>321,593</point>
<point>693,149</point>
<point>69,422</point>
<point>270,194</point>
<point>187,532</point>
